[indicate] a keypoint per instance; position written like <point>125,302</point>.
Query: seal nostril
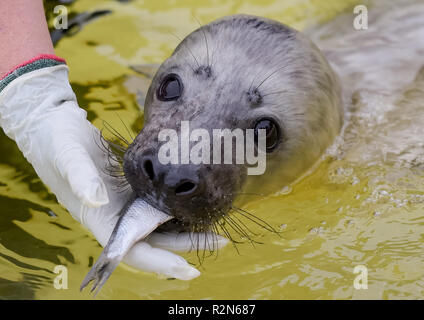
<point>148,169</point>
<point>185,188</point>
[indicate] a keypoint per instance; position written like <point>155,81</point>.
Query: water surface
<point>362,205</point>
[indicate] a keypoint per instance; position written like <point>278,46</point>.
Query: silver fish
<point>137,220</point>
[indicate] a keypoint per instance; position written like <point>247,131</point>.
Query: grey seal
<point>244,72</point>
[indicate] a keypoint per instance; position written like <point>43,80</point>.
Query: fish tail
<point>100,272</point>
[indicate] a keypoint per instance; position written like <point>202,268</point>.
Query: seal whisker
<point>255,77</point>
<point>104,144</point>
<point>191,67</point>
<point>115,166</point>
<point>269,76</point>
<point>204,244</point>
<point>122,184</point>
<point>191,240</point>
<point>117,150</point>
<point>247,229</point>
<point>189,50</point>
<point>277,92</point>
<point>198,248</point>
<point>239,230</point>
<point>114,156</point>
<point>125,126</point>
<point>235,229</point>
<point>114,162</point>
<point>114,175</point>
<point>253,80</point>
<point>245,226</point>
<point>216,233</point>
<point>213,56</point>
<point>254,221</point>
<point>211,242</point>
<point>215,246</point>
<point>206,40</point>
<point>242,233</point>
<point>207,243</point>
<point>114,170</point>
<point>202,255</point>
<point>225,230</point>
<point>122,190</point>
<point>115,132</point>
<point>260,222</point>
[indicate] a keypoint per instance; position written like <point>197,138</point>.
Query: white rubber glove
<point>40,112</point>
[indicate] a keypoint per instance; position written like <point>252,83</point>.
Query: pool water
<point>362,205</point>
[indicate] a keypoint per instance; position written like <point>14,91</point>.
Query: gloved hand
<point>39,111</point>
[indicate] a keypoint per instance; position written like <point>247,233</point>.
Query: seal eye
<point>170,88</point>
<point>272,133</point>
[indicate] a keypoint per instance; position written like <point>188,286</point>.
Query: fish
<point>137,220</point>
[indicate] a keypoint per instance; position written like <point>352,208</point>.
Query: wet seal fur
<point>234,71</point>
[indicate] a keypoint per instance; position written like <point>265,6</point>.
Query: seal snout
<point>195,194</point>
<point>171,180</point>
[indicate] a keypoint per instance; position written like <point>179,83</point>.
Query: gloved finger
<point>141,255</point>
<point>76,166</point>
<point>186,241</point>
<point>147,258</point>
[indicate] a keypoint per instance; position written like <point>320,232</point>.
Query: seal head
<point>239,72</point>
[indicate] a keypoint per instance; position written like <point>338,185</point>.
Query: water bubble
<point>377,213</point>
<point>283,226</point>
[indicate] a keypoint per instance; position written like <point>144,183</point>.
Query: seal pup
<point>243,72</point>
<point>240,72</point>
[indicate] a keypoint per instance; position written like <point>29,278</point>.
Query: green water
<point>340,216</point>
